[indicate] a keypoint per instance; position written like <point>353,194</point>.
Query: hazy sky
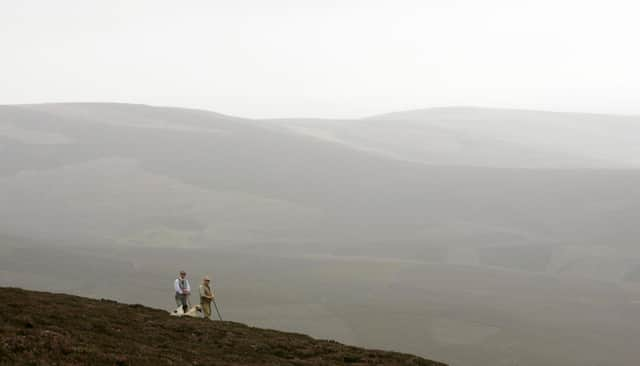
<point>324,58</point>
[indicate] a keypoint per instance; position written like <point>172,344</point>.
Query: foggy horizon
<point>324,59</point>
<point>329,118</point>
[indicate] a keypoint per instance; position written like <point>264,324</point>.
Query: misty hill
<point>119,174</point>
<point>45,328</point>
<point>364,231</point>
<point>488,137</point>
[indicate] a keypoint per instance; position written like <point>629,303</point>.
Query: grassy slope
<point>45,328</point>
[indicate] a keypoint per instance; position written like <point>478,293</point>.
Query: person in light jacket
<point>182,290</point>
<point>206,297</point>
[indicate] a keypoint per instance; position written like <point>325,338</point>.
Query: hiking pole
<point>217,311</point>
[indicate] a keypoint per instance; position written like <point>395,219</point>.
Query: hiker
<point>206,297</point>
<point>182,290</point>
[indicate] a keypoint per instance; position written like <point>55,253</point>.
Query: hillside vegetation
<point>38,328</point>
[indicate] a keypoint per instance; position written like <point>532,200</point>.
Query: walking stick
<point>217,311</point>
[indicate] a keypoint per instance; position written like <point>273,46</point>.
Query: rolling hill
<point>468,235</point>
<point>45,328</point>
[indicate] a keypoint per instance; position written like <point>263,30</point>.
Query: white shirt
<point>176,286</point>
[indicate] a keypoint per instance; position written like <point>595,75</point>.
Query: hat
<point>206,278</point>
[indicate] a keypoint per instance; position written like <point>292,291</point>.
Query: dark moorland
<point>39,328</point>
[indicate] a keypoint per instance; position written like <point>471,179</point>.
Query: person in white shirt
<point>182,290</point>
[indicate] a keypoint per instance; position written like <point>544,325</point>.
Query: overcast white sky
<point>324,58</point>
